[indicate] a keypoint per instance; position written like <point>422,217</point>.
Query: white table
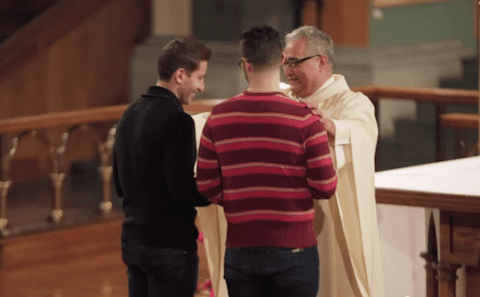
<point>451,189</point>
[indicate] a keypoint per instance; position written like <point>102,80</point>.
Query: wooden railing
<point>54,131</point>
<point>437,96</point>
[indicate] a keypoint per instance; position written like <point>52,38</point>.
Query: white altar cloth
<point>455,177</point>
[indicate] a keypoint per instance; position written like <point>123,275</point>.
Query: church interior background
<point>405,43</point>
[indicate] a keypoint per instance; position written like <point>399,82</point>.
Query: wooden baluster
<point>56,213</point>
<point>440,149</point>
<point>460,144</point>
<point>106,204</point>
<point>4,185</point>
<point>106,171</point>
<point>447,278</point>
<point>57,177</point>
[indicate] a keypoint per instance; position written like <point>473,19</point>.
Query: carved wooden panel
<point>459,238</point>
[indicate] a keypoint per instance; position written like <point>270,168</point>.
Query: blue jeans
<point>270,271</point>
<point>155,272</point>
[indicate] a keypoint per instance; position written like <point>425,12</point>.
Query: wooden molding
<point>389,3</point>
<point>431,200</point>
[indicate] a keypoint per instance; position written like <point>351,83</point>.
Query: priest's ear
<point>323,60</point>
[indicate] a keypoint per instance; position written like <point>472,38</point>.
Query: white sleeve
<point>342,138</point>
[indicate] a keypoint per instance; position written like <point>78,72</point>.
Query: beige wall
<point>172,17</point>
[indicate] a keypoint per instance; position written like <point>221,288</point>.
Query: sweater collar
<point>248,93</point>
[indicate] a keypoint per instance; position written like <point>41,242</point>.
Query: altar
<point>450,191</point>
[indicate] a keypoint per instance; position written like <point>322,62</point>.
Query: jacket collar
<point>164,93</point>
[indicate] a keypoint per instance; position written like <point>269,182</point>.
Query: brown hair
<point>179,53</point>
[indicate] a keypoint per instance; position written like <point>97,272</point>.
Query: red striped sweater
<point>264,157</point>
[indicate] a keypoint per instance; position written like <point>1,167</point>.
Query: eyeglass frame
<point>294,63</point>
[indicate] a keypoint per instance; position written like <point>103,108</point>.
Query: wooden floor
<point>68,260</point>
<point>69,263</point>
<point>98,275</point>
<point>95,276</point>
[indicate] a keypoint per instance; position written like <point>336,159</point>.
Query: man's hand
<point>329,125</point>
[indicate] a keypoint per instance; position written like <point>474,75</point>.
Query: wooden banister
<point>461,121</point>
<point>83,116</point>
<point>109,113</point>
<point>67,118</point>
<point>420,94</point>
<point>437,96</point>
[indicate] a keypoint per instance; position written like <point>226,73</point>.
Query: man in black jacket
<point>154,157</point>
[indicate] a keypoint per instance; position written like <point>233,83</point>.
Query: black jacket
<point>154,156</point>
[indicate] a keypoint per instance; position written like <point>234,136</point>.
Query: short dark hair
<point>262,47</point>
<point>179,53</point>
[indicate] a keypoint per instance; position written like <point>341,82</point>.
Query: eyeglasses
<point>292,63</point>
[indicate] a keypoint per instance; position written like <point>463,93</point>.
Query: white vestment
<point>349,244</point>
<point>346,224</point>
<point>213,225</point>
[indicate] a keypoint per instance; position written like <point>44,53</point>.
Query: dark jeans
<point>270,271</point>
<point>156,272</point>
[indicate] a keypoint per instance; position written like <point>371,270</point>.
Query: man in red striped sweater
<point>265,158</point>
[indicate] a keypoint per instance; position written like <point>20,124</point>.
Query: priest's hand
<point>329,125</point>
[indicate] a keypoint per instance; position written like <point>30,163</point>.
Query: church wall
<point>411,24</point>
